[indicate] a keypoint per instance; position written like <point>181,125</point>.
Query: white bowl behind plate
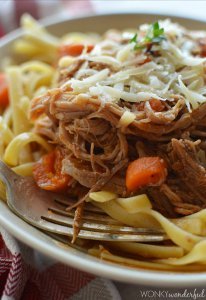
<point>66,254</point>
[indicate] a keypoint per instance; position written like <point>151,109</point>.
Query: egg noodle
<point>113,71</point>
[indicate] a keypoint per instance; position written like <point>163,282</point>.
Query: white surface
<point>193,9</point>
<point>80,260</point>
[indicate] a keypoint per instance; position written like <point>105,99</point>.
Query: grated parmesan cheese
<point>122,73</point>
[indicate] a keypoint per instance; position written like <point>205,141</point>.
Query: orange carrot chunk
<point>4,92</point>
<point>74,49</point>
<point>47,172</point>
<point>157,105</point>
<point>145,171</point>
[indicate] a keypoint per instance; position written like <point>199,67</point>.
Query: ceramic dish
<point>66,254</point>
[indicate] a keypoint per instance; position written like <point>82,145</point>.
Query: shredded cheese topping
<point>168,68</point>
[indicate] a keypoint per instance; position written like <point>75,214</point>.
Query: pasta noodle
<point>24,169</point>
<point>180,237</point>
<point>157,265</point>
<point>13,149</point>
<point>151,251</point>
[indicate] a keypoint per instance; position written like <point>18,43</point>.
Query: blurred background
<point>11,10</point>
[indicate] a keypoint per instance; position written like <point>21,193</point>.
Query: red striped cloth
<point>19,279</point>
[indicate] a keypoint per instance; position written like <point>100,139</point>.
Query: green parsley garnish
<point>134,39</point>
<point>154,35</point>
<point>157,33</point>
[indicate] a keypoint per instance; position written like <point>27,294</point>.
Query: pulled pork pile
<point>97,150</point>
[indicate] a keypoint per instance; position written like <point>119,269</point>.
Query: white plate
<point>67,255</point>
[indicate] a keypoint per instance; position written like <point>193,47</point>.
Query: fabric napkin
<point>27,275</point>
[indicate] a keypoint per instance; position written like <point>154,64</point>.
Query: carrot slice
<point>145,171</point>
<point>74,49</point>
<point>4,92</point>
<point>157,105</point>
<point>47,172</point>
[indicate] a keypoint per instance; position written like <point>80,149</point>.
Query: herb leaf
<point>154,35</point>
<point>134,39</point>
<point>139,47</point>
<point>157,31</point>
